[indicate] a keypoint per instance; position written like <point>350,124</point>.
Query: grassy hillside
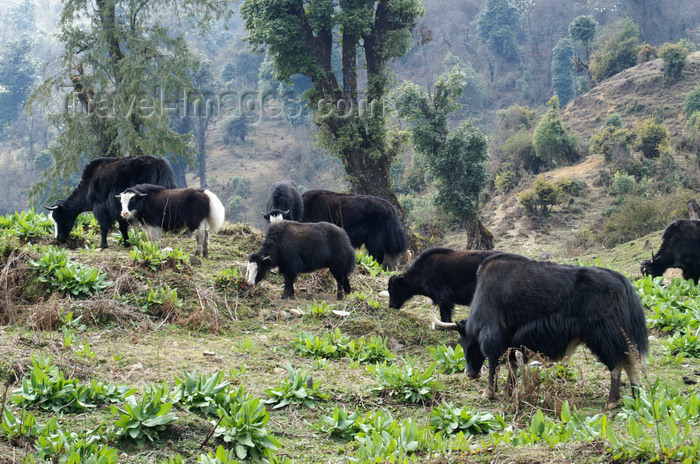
<point>134,332</point>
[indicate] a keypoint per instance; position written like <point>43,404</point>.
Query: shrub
<point>521,150</point>
<point>150,255</point>
<point>646,53</point>
<point>450,360</point>
<point>623,184</point>
<point>553,146</point>
<point>449,419</point>
<point>692,102</point>
<point>507,177</point>
<point>204,393</point>
<point>573,187</point>
<point>26,224</point>
<point>611,141</point>
<point>617,51</point>
<point>651,136</point>
<point>674,57</point>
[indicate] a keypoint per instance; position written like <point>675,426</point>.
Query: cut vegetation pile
<point>143,354</point>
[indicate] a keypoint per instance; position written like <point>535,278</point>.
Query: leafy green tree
<point>475,92</point>
<point>674,57</point>
<point>583,29</point>
<point>18,75</point>
<point>646,53</point>
<point>562,70</point>
<point>126,71</point>
<point>552,143</point>
<point>204,83</point>
<point>300,38</point>
<point>497,27</point>
<point>454,158</point>
<point>616,51</point>
<point>651,136</point>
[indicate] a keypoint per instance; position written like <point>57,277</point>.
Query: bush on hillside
<point>544,193</point>
<point>638,216</point>
<point>674,57</point>
<point>611,142</point>
<point>646,53</point>
<point>553,145</point>
<point>651,136</point>
<point>616,51</point>
<point>692,102</point>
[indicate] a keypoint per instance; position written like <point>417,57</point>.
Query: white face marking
<point>125,198</point>
<point>252,272</point>
<point>55,225</point>
<point>276,218</point>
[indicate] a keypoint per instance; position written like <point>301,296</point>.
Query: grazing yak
<point>102,179</point>
<point>157,209</point>
<point>296,247</point>
<point>284,202</point>
<point>551,308</point>
<point>368,220</point>
<point>680,247</point>
<point>446,276</point>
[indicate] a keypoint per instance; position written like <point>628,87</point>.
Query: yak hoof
<point>488,394</point>
<point>610,405</point>
<point>287,295</point>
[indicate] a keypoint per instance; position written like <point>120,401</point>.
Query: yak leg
<point>346,285</point>
<point>124,229</point>
<point>200,237</point>
<point>518,362</point>
<point>614,396</point>
<point>491,386</point>
<point>446,312</point>
<point>633,375</point>
<point>289,286</point>
<point>154,233</point>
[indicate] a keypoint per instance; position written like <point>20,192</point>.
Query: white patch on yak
<point>55,225</point>
<point>252,272</point>
<point>125,199</point>
<point>276,218</point>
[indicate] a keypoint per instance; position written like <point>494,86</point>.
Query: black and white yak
<point>158,209</point>
<point>284,202</point>
<point>446,276</point>
<point>102,179</point>
<point>296,247</point>
<point>551,308</point>
<point>368,220</point>
<point>680,248</point>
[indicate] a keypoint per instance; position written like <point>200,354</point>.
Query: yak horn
<point>437,323</point>
<point>51,208</point>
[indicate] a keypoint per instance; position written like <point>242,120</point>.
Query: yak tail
<point>395,241</point>
<point>216,212</point>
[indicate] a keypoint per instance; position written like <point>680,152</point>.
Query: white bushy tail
<point>216,212</point>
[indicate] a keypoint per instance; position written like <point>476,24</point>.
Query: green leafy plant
<point>369,266</point>
<point>26,225</point>
<point>60,274</point>
<point>297,388</point>
<point>47,388</point>
<point>318,308</point>
<point>228,278</point>
<point>449,419</point>
<point>242,422</point>
<point>450,360</point>
<point>74,448</point>
<point>408,381</point>
<point>150,255</point>
<point>391,442</point>
<point>339,424</point>
<point>141,420</point>
<point>687,344</point>
<point>204,393</point>
<point>336,345</point>
<point>26,425</point>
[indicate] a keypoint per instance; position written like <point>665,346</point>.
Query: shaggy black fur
<point>446,276</point>
<point>102,180</point>
<point>680,247</point>
<point>285,199</point>
<point>296,247</point>
<point>549,308</point>
<point>368,220</point>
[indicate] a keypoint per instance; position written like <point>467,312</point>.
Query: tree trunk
<point>479,237</point>
<point>201,151</point>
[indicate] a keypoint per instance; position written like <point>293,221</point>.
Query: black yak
<point>157,209</point>
<point>446,276</point>
<point>551,308</point>
<point>296,247</point>
<point>102,179</point>
<point>680,247</point>
<point>284,202</point>
<point>368,220</point>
